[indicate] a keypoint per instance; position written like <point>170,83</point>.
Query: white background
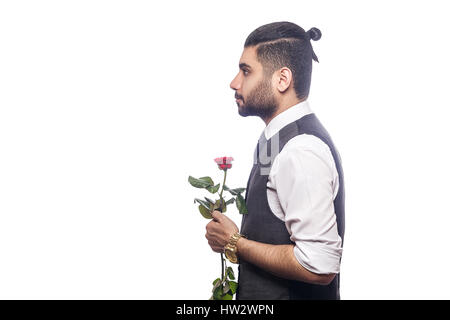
<point>106,108</point>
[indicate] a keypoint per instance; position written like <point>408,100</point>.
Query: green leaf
<point>233,286</point>
<point>202,202</point>
<point>205,212</point>
<point>230,273</point>
<point>217,294</point>
<point>239,190</point>
<point>208,180</point>
<point>216,283</point>
<point>240,204</point>
<point>199,183</point>
<point>209,200</point>
<point>234,192</point>
<point>229,190</point>
<point>227,297</point>
<point>213,189</point>
<point>229,201</point>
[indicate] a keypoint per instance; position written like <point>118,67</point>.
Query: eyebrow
<point>242,65</point>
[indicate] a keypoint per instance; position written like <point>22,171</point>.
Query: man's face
<point>253,91</point>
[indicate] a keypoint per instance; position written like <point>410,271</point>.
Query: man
<point>290,243</point>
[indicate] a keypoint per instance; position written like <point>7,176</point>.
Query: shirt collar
<point>287,116</point>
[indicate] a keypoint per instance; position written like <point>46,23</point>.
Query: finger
<point>213,243</point>
<point>217,215</point>
<point>215,247</point>
<point>209,236</point>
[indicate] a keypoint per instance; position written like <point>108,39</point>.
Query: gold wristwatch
<point>231,248</point>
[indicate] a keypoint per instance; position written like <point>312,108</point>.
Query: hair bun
<point>314,34</point>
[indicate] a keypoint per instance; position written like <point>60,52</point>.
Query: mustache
<point>238,97</point>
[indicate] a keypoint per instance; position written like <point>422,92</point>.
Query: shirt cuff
<point>318,259</point>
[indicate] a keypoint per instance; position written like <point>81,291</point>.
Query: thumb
<point>217,215</point>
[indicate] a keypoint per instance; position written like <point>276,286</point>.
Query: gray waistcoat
<point>261,225</point>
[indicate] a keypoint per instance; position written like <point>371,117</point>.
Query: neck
<point>283,107</point>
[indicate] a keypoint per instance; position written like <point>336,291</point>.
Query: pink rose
<point>224,162</point>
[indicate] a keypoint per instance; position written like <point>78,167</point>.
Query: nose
<point>235,83</point>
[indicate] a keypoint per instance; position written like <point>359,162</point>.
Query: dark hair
<point>285,44</point>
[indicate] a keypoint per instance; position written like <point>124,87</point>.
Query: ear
<point>283,79</point>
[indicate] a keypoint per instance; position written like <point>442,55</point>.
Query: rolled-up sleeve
<point>306,182</point>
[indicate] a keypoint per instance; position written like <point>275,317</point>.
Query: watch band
<point>231,248</point>
<point>234,238</point>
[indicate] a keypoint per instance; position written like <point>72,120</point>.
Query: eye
<point>245,72</point>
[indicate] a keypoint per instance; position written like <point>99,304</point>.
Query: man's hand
<point>219,231</point>
<point>276,259</point>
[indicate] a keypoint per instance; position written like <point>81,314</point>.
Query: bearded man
<point>290,242</point>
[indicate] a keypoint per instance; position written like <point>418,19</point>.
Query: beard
<point>260,102</point>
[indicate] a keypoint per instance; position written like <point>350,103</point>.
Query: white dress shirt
<point>303,182</point>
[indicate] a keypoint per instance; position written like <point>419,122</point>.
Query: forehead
<point>249,59</point>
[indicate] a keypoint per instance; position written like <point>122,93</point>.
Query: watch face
<point>231,255</point>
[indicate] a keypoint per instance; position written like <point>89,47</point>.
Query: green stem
<point>222,259</point>
<point>223,184</point>
<point>225,269</point>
